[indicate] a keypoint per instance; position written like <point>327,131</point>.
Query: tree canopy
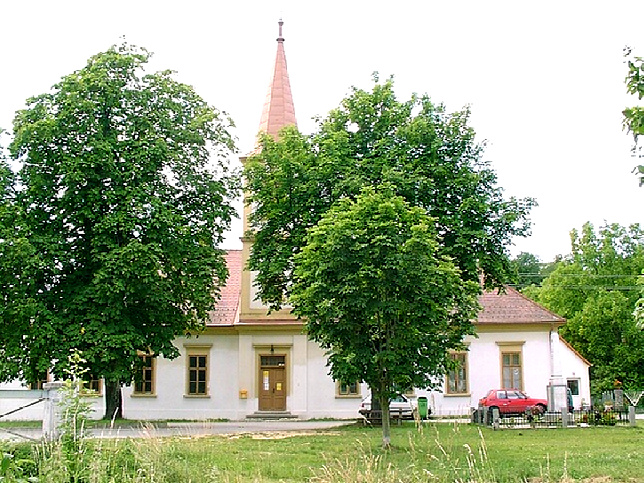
<point>634,116</point>
<point>596,290</point>
<point>429,156</point>
<point>378,295</point>
<point>384,279</point>
<point>124,193</point>
<point>526,270</point>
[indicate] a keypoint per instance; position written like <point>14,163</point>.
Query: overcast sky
<point>545,80</point>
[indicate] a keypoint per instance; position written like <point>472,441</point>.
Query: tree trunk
<point>386,427</point>
<point>113,401</point>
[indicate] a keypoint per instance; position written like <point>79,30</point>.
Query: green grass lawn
<point>440,452</point>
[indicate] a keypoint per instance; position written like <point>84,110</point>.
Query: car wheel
<point>541,408</point>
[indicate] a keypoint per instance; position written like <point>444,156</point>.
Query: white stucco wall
<point>28,414</point>
<point>36,412</point>
<point>234,370</point>
<point>484,369</point>
<point>170,400</point>
<point>311,393</point>
<point>574,367</point>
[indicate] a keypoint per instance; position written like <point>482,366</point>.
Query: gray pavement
<point>186,429</point>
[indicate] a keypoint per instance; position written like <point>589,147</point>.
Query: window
<point>42,378</point>
<point>91,386</point>
<point>515,395</point>
<point>145,385</point>
<point>197,372</point>
<point>511,370</point>
<point>456,378</point>
<point>272,361</point>
<point>573,385</point>
<point>348,389</point>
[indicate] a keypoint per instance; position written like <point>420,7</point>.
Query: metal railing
<point>558,419</point>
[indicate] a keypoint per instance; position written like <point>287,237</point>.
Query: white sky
<point>545,80</point>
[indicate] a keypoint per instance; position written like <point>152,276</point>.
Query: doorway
<point>272,383</point>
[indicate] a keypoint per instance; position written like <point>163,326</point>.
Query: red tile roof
<point>512,307</point>
<point>279,110</point>
<point>227,309</point>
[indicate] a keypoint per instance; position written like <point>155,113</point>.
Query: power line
<point>593,287</point>
<point>578,275</point>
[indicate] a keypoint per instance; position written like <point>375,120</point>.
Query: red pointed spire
<point>279,110</point>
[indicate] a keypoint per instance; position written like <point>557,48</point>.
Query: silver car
<point>399,407</point>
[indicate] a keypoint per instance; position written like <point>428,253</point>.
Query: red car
<point>513,401</point>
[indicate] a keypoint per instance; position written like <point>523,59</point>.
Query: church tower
<point>278,112</point>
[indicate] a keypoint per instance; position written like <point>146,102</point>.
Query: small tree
<point>376,293</point>
<point>125,195</point>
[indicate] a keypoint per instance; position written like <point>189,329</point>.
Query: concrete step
<point>271,415</point>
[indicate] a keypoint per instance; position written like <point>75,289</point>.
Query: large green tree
<point>18,262</point>
<point>634,116</point>
<point>378,295</point>
<point>124,192</point>
<point>595,288</point>
<point>429,156</point>
<point>634,123</point>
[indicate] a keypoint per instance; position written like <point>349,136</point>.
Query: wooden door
<point>272,383</point>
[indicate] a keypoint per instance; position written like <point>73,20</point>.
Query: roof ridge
<point>557,316</point>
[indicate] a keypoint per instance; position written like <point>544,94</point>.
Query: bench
<point>375,416</point>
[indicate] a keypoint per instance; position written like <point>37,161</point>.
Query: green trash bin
<point>422,407</point>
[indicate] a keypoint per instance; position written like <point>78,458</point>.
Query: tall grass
<point>432,453</point>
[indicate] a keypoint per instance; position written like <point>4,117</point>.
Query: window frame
<point>508,348</point>
<point>348,394</point>
<point>38,385</point>
<point>512,367</point>
<point>198,351</point>
<point>91,387</point>
<point>138,386</point>
<point>465,367</point>
<point>577,384</point>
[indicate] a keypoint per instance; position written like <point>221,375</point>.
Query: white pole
<point>51,418</point>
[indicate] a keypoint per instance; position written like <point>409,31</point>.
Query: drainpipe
<point>555,359</point>
<point>557,392</point>
<point>551,351</point>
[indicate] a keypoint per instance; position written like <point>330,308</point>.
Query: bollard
<point>564,417</point>
<point>496,418</point>
<point>631,416</point>
<point>51,418</point>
